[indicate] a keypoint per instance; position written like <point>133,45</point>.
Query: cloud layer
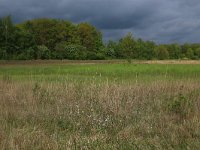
<point>163,21</point>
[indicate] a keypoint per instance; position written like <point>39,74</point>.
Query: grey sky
<point>163,21</point>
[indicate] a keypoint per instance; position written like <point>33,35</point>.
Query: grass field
<point>100,105</point>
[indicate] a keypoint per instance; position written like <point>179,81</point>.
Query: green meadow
<point>102,72</point>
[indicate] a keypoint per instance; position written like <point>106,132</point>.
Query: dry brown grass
<point>58,62</point>
<point>158,115</point>
<point>172,62</point>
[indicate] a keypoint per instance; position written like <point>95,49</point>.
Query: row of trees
<point>49,39</point>
<point>129,47</point>
<point>60,39</point>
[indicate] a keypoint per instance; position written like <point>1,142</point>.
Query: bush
<point>43,52</point>
<point>161,53</point>
<point>3,54</point>
<point>95,56</point>
<point>197,52</point>
<point>190,53</point>
<point>27,54</point>
<point>108,52</point>
<point>195,58</point>
<point>64,50</point>
<point>21,56</point>
<point>75,52</point>
<point>180,105</point>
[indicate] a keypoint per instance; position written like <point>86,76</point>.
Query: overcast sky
<point>163,21</point>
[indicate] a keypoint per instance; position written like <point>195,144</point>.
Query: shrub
<point>197,52</point>
<point>180,105</point>
<point>95,56</point>
<point>190,53</point>
<point>76,52</point>
<point>64,50</point>
<point>108,52</point>
<point>26,55</point>
<point>3,54</point>
<point>161,53</point>
<point>43,52</point>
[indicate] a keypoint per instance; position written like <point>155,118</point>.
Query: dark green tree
<point>7,36</point>
<point>190,53</point>
<point>49,32</point>
<point>174,51</point>
<point>127,46</point>
<point>161,52</point>
<point>90,37</point>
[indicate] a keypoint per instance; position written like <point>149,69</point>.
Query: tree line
<point>46,38</point>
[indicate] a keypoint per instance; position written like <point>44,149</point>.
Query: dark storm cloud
<point>163,21</point>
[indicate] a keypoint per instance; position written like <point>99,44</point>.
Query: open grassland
<point>100,105</point>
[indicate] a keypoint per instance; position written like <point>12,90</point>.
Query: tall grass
<point>101,106</point>
<point>108,115</point>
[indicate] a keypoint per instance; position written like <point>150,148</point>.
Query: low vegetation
<point>99,106</point>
